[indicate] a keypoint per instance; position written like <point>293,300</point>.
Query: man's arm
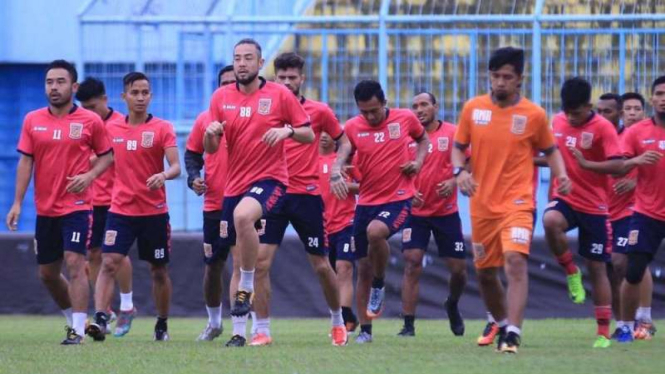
<point>193,165</point>
<point>79,183</point>
<point>467,185</point>
<point>646,158</point>
<point>337,184</point>
<point>213,136</point>
<point>611,166</point>
<point>23,176</point>
<point>558,168</point>
<point>157,180</point>
<point>413,167</point>
<point>540,161</point>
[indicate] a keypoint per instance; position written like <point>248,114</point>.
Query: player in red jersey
<point>254,116</point>
<point>138,211</point>
<point>381,138</point>
<point>591,152</point>
<point>339,226</point>
<point>212,187</point>
<point>645,142</point>
<point>435,213</point>
<point>92,96</point>
<point>56,142</point>
<point>632,104</point>
<point>302,208</point>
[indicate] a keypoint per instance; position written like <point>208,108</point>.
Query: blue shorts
<point>646,234</point>
<point>54,235</point>
<point>447,232</point>
<point>594,231</point>
<point>394,215</point>
<point>269,193</point>
<point>213,251</point>
<point>620,229</point>
<point>98,224</point>
<point>341,245</point>
<point>152,233</point>
<point>305,213</point>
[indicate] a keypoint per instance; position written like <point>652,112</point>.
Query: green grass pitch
<point>30,344</point>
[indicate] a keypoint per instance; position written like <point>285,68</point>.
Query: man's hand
<point>13,216</point>
<point>578,156</point>
<point>215,128</point>
<point>564,185</point>
<point>411,167</point>
<point>79,183</point>
<point>467,185</point>
<point>648,158</point>
<point>446,188</point>
<point>338,185</point>
<point>156,181</point>
<point>199,186</point>
<point>624,186</point>
<point>417,200</point>
<point>276,135</point>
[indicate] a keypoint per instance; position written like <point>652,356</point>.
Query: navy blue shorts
<point>152,233</point>
<point>620,229</point>
<point>305,213</point>
<point>594,231</point>
<point>269,193</point>
<point>341,245</point>
<point>447,231</point>
<point>646,234</point>
<point>394,215</point>
<point>98,225</point>
<point>54,235</point>
<point>213,250</point>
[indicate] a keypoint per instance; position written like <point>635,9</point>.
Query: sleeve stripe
<point>548,151</point>
<point>24,153</point>
<point>340,135</point>
<point>110,150</point>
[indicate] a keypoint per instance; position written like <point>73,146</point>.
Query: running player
<point>302,207</point>
<point>92,96</point>
<point>435,213</point>
<point>381,137</point>
<point>256,116</point>
<point>138,211</point>
<point>339,226</point>
<point>633,108</point>
<point>212,187</point>
<point>591,151</point>
<point>645,141</point>
<point>56,142</point>
<point>504,130</point>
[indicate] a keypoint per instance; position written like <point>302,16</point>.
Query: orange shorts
<point>492,237</point>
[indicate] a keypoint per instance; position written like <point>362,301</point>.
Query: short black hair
<point>132,77</point>
<point>633,96</point>
<point>90,88</point>
<point>224,70</point>
<point>432,98</point>
<point>62,64</point>
<point>575,92</point>
<point>507,56</point>
<point>660,80</point>
<point>613,96</point>
<point>289,60</point>
<point>367,89</point>
<point>249,41</point>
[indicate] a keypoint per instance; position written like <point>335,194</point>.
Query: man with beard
<point>212,187</point>
<point>381,137</point>
<point>435,213</point>
<point>645,141</point>
<point>504,131</point>
<point>254,116</point>
<point>56,142</point>
<point>303,208</point>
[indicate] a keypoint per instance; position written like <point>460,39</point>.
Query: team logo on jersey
<point>661,145</point>
<point>443,144</point>
<point>632,237</point>
<point>147,139</point>
<point>264,106</point>
<point>478,251</point>
<point>262,230</point>
<point>394,131</point>
<point>481,117</point>
<point>519,125</point>
<point>406,235</point>
<point>587,140</point>
<point>207,250</point>
<point>110,236</point>
<point>223,229</point>
<point>40,128</point>
<point>75,130</point>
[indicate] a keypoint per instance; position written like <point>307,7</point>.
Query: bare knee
<point>321,265</point>
<point>487,276</point>
<point>554,222</point>
<point>110,264</point>
<point>159,273</point>
<point>49,274</point>
<point>377,232</point>
<point>344,269</point>
<point>413,263</point>
<point>95,256</point>
<point>516,266</point>
<point>457,268</point>
<point>75,265</point>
